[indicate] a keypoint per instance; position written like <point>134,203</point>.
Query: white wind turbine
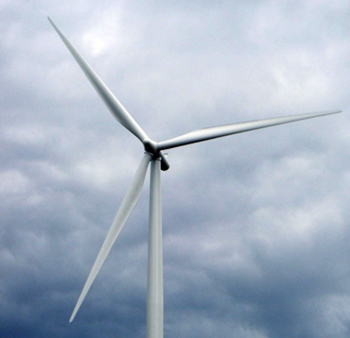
<point>153,154</point>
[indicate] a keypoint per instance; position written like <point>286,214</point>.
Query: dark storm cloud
<point>256,227</point>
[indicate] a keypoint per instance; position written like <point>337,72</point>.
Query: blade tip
<point>52,23</point>
<point>72,317</point>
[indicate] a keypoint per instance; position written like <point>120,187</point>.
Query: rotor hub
<point>151,147</point>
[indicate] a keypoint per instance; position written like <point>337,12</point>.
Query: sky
<point>256,230</point>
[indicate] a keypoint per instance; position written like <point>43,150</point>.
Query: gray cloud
<point>256,231</point>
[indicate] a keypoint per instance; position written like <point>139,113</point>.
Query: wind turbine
<point>153,153</point>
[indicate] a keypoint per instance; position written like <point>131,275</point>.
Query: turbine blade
<point>106,95</point>
<point>229,129</point>
<point>125,210</point>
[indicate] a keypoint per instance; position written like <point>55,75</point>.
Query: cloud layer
<point>256,230</point>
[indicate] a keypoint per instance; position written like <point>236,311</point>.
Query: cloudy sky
<point>256,226</point>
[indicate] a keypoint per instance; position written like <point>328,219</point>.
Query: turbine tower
<point>153,154</point>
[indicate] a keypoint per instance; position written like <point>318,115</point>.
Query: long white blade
<point>107,96</point>
<point>229,129</point>
<point>126,208</point>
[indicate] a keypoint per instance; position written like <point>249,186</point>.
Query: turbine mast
<point>155,300</point>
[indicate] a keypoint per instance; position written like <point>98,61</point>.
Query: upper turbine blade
<point>229,129</point>
<point>107,96</point>
<point>125,210</point>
